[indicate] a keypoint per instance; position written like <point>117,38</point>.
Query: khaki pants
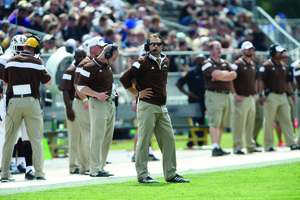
<point>277,104</point>
<point>73,138</point>
<point>298,115</point>
<point>243,115</point>
<point>218,107</point>
<point>102,115</point>
<point>83,119</point>
<point>27,108</point>
<point>153,118</point>
<point>259,118</point>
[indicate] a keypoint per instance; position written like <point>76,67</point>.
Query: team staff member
<point>244,97</point>
<point>195,82</point>
<point>150,73</point>
<point>23,74</point>
<point>96,80</point>
<point>81,105</point>
<point>296,66</point>
<point>274,80</point>
<point>218,75</point>
<point>75,142</point>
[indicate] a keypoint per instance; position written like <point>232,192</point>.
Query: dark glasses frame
<point>155,43</point>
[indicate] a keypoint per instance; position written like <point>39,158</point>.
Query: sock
<point>13,160</point>
<point>20,160</point>
<point>28,154</point>
<point>28,168</point>
<point>150,150</point>
<point>215,145</point>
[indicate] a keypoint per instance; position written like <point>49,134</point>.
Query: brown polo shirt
<point>208,67</point>
<point>244,84</point>
<point>24,69</point>
<point>78,70</point>
<point>96,75</point>
<point>274,76</point>
<point>149,74</point>
<point>68,81</point>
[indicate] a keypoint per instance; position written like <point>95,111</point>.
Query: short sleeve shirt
<point>208,67</point>
<point>68,81</point>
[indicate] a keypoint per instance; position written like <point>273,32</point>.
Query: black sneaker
<point>75,171</point>
<point>152,158</point>
<point>29,175</point>
<point>21,168</point>
<point>107,162</point>
<point>178,179</point>
<point>7,179</point>
<point>87,172</point>
<point>148,179</point>
<point>294,147</point>
<point>14,169</point>
<point>270,149</point>
<point>216,152</point>
<point>133,158</point>
<point>40,178</point>
<point>224,152</point>
<point>238,152</point>
<point>99,174</point>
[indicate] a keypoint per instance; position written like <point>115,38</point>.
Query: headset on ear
<point>37,49</point>
<point>146,45</point>
<point>272,50</point>
<point>109,53</point>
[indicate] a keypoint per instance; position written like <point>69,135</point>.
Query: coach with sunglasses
<point>150,73</point>
<point>48,43</point>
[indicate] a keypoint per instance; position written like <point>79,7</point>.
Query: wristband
<point>260,95</point>
<point>84,100</point>
<point>139,94</point>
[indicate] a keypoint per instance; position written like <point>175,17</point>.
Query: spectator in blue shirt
<point>21,18</point>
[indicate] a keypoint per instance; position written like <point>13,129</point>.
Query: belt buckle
<point>21,95</point>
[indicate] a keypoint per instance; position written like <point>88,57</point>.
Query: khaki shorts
<point>218,107</point>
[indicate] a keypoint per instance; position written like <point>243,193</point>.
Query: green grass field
<point>226,142</point>
<point>271,182</point>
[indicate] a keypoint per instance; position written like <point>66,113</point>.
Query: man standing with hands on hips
<point>150,73</point>
<point>218,75</point>
<point>274,81</point>
<point>244,97</point>
<point>96,80</point>
<point>22,75</point>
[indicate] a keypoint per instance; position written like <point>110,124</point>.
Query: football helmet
<point>17,44</point>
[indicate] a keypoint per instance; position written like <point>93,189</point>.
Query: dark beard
<point>247,55</point>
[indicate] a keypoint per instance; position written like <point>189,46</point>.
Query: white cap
<point>97,41</point>
<point>247,45</point>
<point>279,49</point>
<point>204,39</point>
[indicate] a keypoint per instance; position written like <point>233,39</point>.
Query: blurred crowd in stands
<point>129,23</point>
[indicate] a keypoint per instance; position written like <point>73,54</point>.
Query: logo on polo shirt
<point>245,68</point>
<point>165,66</point>
<point>152,67</point>
<point>283,68</point>
<point>253,67</point>
<point>273,68</point>
<point>100,70</point>
<point>224,65</point>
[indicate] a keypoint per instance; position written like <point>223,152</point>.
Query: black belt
<point>21,95</point>
<point>219,91</point>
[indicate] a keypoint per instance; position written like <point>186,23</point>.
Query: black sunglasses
<point>153,44</point>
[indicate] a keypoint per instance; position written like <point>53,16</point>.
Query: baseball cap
<point>48,37</point>
<point>39,12</point>
<point>97,41</point>
<point>279,49</point>
<point>204,39</point>
<point>247,45</point>
<point>31,42</point>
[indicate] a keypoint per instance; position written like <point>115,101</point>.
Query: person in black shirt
<point>188,13</point>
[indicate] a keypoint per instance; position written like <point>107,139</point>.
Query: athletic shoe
<point>152,158</point>
<point>255,150</point>
<point>29,175</point>
<point>178,179</point>
<point>281,144</point>
<point>107,162</point>
<point>238,152</point>
<point>217,152</point>
<point>21,168</point>
<point>270,149</point>
<point>148,179</point>
<point>40,178</point>
<point>14,169</point>
<point>87,172</point>
<point>75,171</point>
<point>99,174</point>
<point>294,147</point>
<point>7,179</point>
<point>224,152</point>
<point>133,158</point>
